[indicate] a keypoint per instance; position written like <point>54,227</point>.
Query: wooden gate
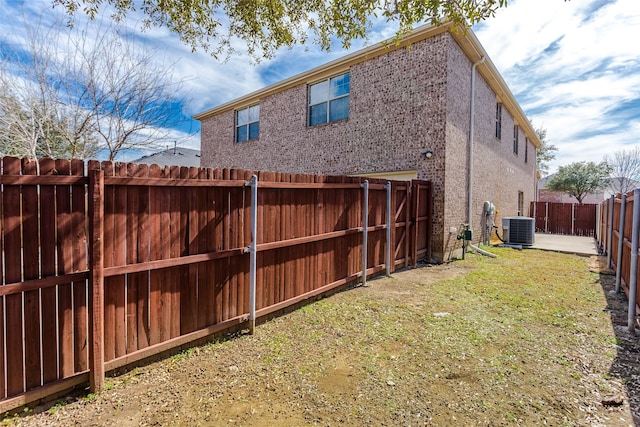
<point>413,225</point>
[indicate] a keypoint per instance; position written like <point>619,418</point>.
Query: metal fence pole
<point>388,250</point>
<point>252,253</point>
<point>623,209</point>
<point>365,226</point>
<point>610,230</point>
<point>546,217</point>
<point>633,276</point>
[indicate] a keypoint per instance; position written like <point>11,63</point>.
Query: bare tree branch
<point>625,170</point>
<point>70,92</point>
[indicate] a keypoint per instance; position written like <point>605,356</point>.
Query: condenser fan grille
<point>519,230</point>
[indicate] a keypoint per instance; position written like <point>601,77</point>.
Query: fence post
<point>546,217</point>
<point>365,226</point>
<point>633,276</point>
<point>388,249</point>
<point>96,296</point>
<point>573,219</point>
<point>623,209</point>
<point>610,229</point>
<point>252,253</point>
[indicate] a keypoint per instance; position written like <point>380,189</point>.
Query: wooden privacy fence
<point>564,218</point>
<point>105,268</point>
<point>617,236</point>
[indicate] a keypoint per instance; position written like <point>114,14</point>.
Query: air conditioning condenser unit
<point>519,230</point>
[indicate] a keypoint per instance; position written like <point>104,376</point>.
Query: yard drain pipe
<point>482,251</point>
<point>471,132</point>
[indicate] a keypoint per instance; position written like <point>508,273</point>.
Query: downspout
<point>471,132</point>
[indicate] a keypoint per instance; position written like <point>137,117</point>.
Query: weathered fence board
<point>13,273</point>
<point>564,218</point>
<point>165,260</point>
<point>48,265</point>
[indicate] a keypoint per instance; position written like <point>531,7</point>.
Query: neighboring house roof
<point>465,38</point>
<point>616,184</point>
<point>178,156</point>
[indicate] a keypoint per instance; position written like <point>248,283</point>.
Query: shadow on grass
<point>626,366</point>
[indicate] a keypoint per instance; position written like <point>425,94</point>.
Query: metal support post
<point>610,229</point>
<point>252,253</point>
<point>546,217</point>
<point>623,209</point>
<point>365,226</point>
<point>389,244</point>
<point>633,277</point>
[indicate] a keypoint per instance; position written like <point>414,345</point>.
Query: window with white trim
<point>515,139</point>
<point>526,150</point>
<point>248,123</point>
<point>329,100</point>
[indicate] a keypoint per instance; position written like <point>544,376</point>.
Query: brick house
<point>394,110</point>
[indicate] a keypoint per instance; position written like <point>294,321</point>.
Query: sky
<point>574,67</point>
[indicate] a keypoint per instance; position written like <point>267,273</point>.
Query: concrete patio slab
<point>566,244</point>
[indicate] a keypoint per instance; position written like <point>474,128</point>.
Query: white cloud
<point>572,65</point>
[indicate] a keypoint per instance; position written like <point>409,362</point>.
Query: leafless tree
<point>70,92</point>
<point>625,169</point>
<point>41,114</point>
<point>134,99</point>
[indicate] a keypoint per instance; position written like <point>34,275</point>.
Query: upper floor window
<point>248,123</point>
<point>515,139</point>
<point>499,121</point>
<point>329,100</point>
<point>526,150</point>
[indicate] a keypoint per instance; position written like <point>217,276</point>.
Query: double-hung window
<point>329,100</point>
<point>515,139</point>
<point>248,123</point>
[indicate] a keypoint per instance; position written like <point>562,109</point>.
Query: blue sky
<point>574,67</point>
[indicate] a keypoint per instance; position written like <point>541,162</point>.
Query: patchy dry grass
<point>521,339</point>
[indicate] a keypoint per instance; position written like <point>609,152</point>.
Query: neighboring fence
<point>105,269</point>
<point>564,218</point>
<point>619,227</point>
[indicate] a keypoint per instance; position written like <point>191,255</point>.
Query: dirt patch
<point>528,338</point>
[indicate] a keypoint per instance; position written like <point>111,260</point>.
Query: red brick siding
<point>402,103</point>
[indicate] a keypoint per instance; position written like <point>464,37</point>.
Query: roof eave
<point>328,69</point>
<point>471,46</point>
<point>466,39</point>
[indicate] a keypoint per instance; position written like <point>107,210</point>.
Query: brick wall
<point>401,103</point>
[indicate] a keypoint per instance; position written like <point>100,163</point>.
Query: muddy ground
<point>475,342</point>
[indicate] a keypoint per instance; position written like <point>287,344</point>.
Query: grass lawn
<point>527,338</point>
